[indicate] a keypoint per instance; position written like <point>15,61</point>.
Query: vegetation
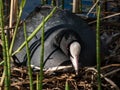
<point>72,80</point>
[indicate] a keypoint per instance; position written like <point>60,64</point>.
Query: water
<point>31,4</point>
<point>29,7</point>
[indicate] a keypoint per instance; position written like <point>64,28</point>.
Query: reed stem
<point>42,55</point>
<point>28,59</point>
<point>7,84</point>
<point>36,30</point>
<point>98,46</point>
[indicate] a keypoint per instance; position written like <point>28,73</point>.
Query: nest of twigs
<point>86,80</point>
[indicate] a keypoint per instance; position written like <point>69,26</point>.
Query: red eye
<point>67,47</point>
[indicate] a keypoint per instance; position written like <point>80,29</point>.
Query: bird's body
<point>60,30</point>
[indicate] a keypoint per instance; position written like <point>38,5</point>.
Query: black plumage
<point>61,30</point>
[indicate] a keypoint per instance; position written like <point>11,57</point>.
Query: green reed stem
<point>22,4</point>
<point>98,46</point>
<point>67,86</point>
<point>1,62</point>
<point>53,2</point>
<point>4,46</point>
<point>62,4</point>
<point>42,56</point>
<point>36,30</point>
<point>28,59</point>
<point>8,60</point>
<point>16,28</point>
<point>43,2</point>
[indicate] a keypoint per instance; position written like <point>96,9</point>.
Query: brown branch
<point>107,17</point>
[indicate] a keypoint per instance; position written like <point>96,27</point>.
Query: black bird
<point>68,38</point>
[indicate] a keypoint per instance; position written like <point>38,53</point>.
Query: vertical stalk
<point>53,2</point>
<point>76,6</point>
<point>11,14</point>
<point>98,46</point>
<point>15,8</point>
<point>17,24</point>
<point>8,61</point>
<point>37,81</point>
<point>4,46</point>
<point>43,2</point>
<point>62,4</point>
<point>67,86</point>
<point>28,59</point>
<point>42,55</point>
<point>80,6</point>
